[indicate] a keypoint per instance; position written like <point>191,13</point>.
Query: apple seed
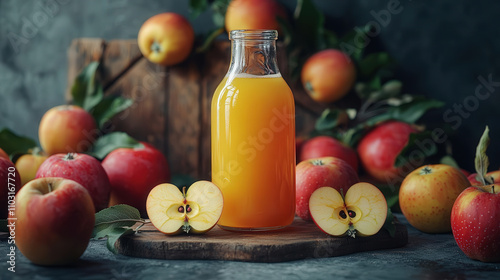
<point>343,215</point>
<point>180,209</point>
<point>351,213</point>
<point>188,208</point>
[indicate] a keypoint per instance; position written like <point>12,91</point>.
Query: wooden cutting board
<point>301,240</point>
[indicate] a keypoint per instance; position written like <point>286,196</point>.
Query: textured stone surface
<point>427,256</point>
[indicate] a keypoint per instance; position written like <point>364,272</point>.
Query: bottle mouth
<point>254,34</point>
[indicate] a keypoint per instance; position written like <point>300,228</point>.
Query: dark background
<point>442,48</point>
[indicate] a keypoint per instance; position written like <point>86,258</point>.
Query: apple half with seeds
<point>361,212</point>
<point>197,211</point>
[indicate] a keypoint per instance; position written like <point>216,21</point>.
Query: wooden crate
<point>171,107</point>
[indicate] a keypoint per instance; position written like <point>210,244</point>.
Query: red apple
<point>321,172</point>
<point>254,14</point>
<point>495,175</point>
<point>427,195</point>
<point>475,222</point>
<point>82,168</point>
<point>67,129</point>
<point>379,148</point>
<point>166,39</point>
<point>3,154</point>
<point>326,146</point>
<point>55,219</point>
<point>10,183</point>
<point>133,173</point>
<point>328,75</point>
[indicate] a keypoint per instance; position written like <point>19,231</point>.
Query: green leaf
<point>415,150</point>
<point>406,111</point>
<point>108,107</point>
<point>389,224</point>
<point>196,7</point>
<point>309,22</point>
<point>349,42</point>
<point>219,8</point>
<point>115,234</point>
<point>449,160</point>
<point>391,195</point>
<point>84,87</point>
<point>371,63</point>
<point>114,222</point>
<point>12,143</point>
<point>481,161</point>
<point>328,120</point>
<point>114,140</point>
<point>331,40</point>
<point>353,135</point>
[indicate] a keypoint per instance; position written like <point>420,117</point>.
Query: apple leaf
<point>309,24</point>
<point>407,110</point>
<point>114,222</point>
<point>196,7</point>
<point>84,87</point>
<point>372,63</point>
<point>13,144</point>
<point>109,142</point>
<point>481,161</point>
<point>449,160</point>
<point>108,107</point>
<point>328,120</point>
<point>88,93</point>
<point>389,224</point>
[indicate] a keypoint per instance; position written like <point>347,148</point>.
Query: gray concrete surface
<point>426,256</point>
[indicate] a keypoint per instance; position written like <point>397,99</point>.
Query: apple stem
<point>142,221</point>
<point>426,170</point>
<point>69,156</point>
<point>155,47</point>
<point>317,162</point>
<point>49,185</point>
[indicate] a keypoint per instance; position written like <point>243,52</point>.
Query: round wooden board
<point>300,240</point>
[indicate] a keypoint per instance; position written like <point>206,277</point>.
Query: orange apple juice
<point>253,151</point>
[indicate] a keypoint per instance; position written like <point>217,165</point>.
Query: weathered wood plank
<point>300,240</point>
<point>184,118</point>
<point>171,107</point>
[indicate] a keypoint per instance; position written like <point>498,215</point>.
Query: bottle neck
<point>253,53</point>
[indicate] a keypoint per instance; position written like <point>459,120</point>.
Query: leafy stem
<point>142,221</point>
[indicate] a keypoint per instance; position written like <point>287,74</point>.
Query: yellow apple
<point>427,195</point>
<point>172,211</point>
<point>27,165</point>
<point>361,212</point>
<point>166,39</point>
<point>67,129</point>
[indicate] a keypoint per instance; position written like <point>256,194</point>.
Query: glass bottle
<point>253,137</point>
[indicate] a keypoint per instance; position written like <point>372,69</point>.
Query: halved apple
<point>172,211</point>
<point>362,211</point>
